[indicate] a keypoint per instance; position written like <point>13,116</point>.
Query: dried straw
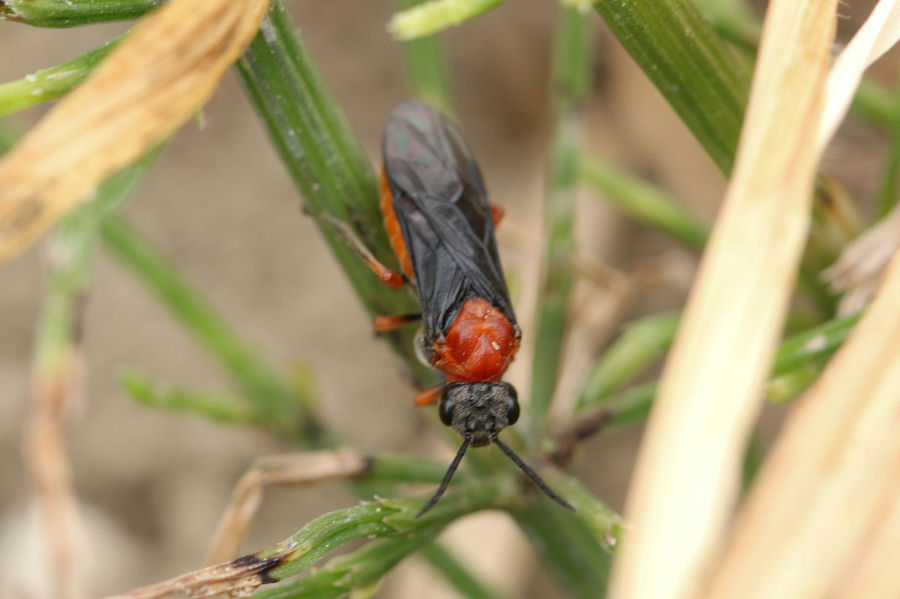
<point>158,77</point>
<point>827,496</point>
<point>823,519</point>
<point>711,389</point>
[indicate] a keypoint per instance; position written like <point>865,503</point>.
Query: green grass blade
<point>889,190</point>
<point>642,343</point>
<point>567,547</point>
<point>691,67</point>
<point>51,83</point>
<point>571,79</point>
<point>388,518</point>
<point>72,13</point>
<point>354,572</point>
<point>817,342</point>
<point>798,361</point>
<point>645,202</point>
<point>326,164</point>
<point>431,17</point>
<point>8,137</point>
<point>275,401</point>
<point>603,522</point>
<point>426,67</point>
<point>72,249</point>
<point>407,470</point>
<point>214,406</point>
<point>456,573</point>
<point>786,387</point>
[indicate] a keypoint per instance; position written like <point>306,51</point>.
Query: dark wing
<point>441,204</point>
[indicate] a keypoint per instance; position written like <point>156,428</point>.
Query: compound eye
<point>445,409</point>
<point>512,403</point>
<point>512,410</point>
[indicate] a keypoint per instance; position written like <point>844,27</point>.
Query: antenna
<point>529,473</point>
<point>450,471</point>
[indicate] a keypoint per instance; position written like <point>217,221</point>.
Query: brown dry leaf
<point>157,78</point>
<point>688,469</point>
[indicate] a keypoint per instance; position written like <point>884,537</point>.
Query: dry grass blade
<point>292,469</point>
<point>859,270</point>
<point>877,576</point>
<point>48,465</point>
<point>154,81</point>
<point>688,469</point>
<point>237,578</point>
<point>824,513</point>
<point>880,31</point>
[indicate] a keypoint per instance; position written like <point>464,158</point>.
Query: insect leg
<point>497,213</point>
<point>389,323</point>
<point>387,276</point>
<point>423,398</point>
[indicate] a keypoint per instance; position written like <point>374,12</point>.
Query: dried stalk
<point>51,474</point>
<point>859,270</point>
<point>149,85</point>
<point>297,469</point>
<point>824,513</point>
<point>237,578</point>
<point>877,35</point>
<point>688,470</point>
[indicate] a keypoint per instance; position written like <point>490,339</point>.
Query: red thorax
<point>479,345</point>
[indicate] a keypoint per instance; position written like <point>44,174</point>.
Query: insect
<point>441,227</point>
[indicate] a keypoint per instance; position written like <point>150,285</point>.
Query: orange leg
<point>427,396</point>
<point>497,213</point>
<point>389,323</point>
<point>386,275</point>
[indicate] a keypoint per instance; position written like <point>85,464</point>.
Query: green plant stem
<point>357,571</point>
<point>689,64</point>
<point>72,250</point>
<point>407,470</point>
<point>385,518</point>
<point>214,406</point>
<point>426,67</point>
<point>656,208</point>
<point>889,189</point>
<point>603,522</point>
<point>786,387</point>
<point>71,13</point>
<point>431,17</point>
<point>753,459</point>
<point>647,203</point>
<point>643,342</point>
<point>8,137</point>
<point>274,400</point>
<point>457,574</point>
<point>818,342</point>
<point>571,80</point>
<point>326,164</point>
<point>51,83</point>
<point>798,361</point>
<point>876,103</point>
<point>567,547</point>
<point>733,21</point>
<point>632,405</point>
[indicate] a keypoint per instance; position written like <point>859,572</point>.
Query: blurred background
<point>218,203</point>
